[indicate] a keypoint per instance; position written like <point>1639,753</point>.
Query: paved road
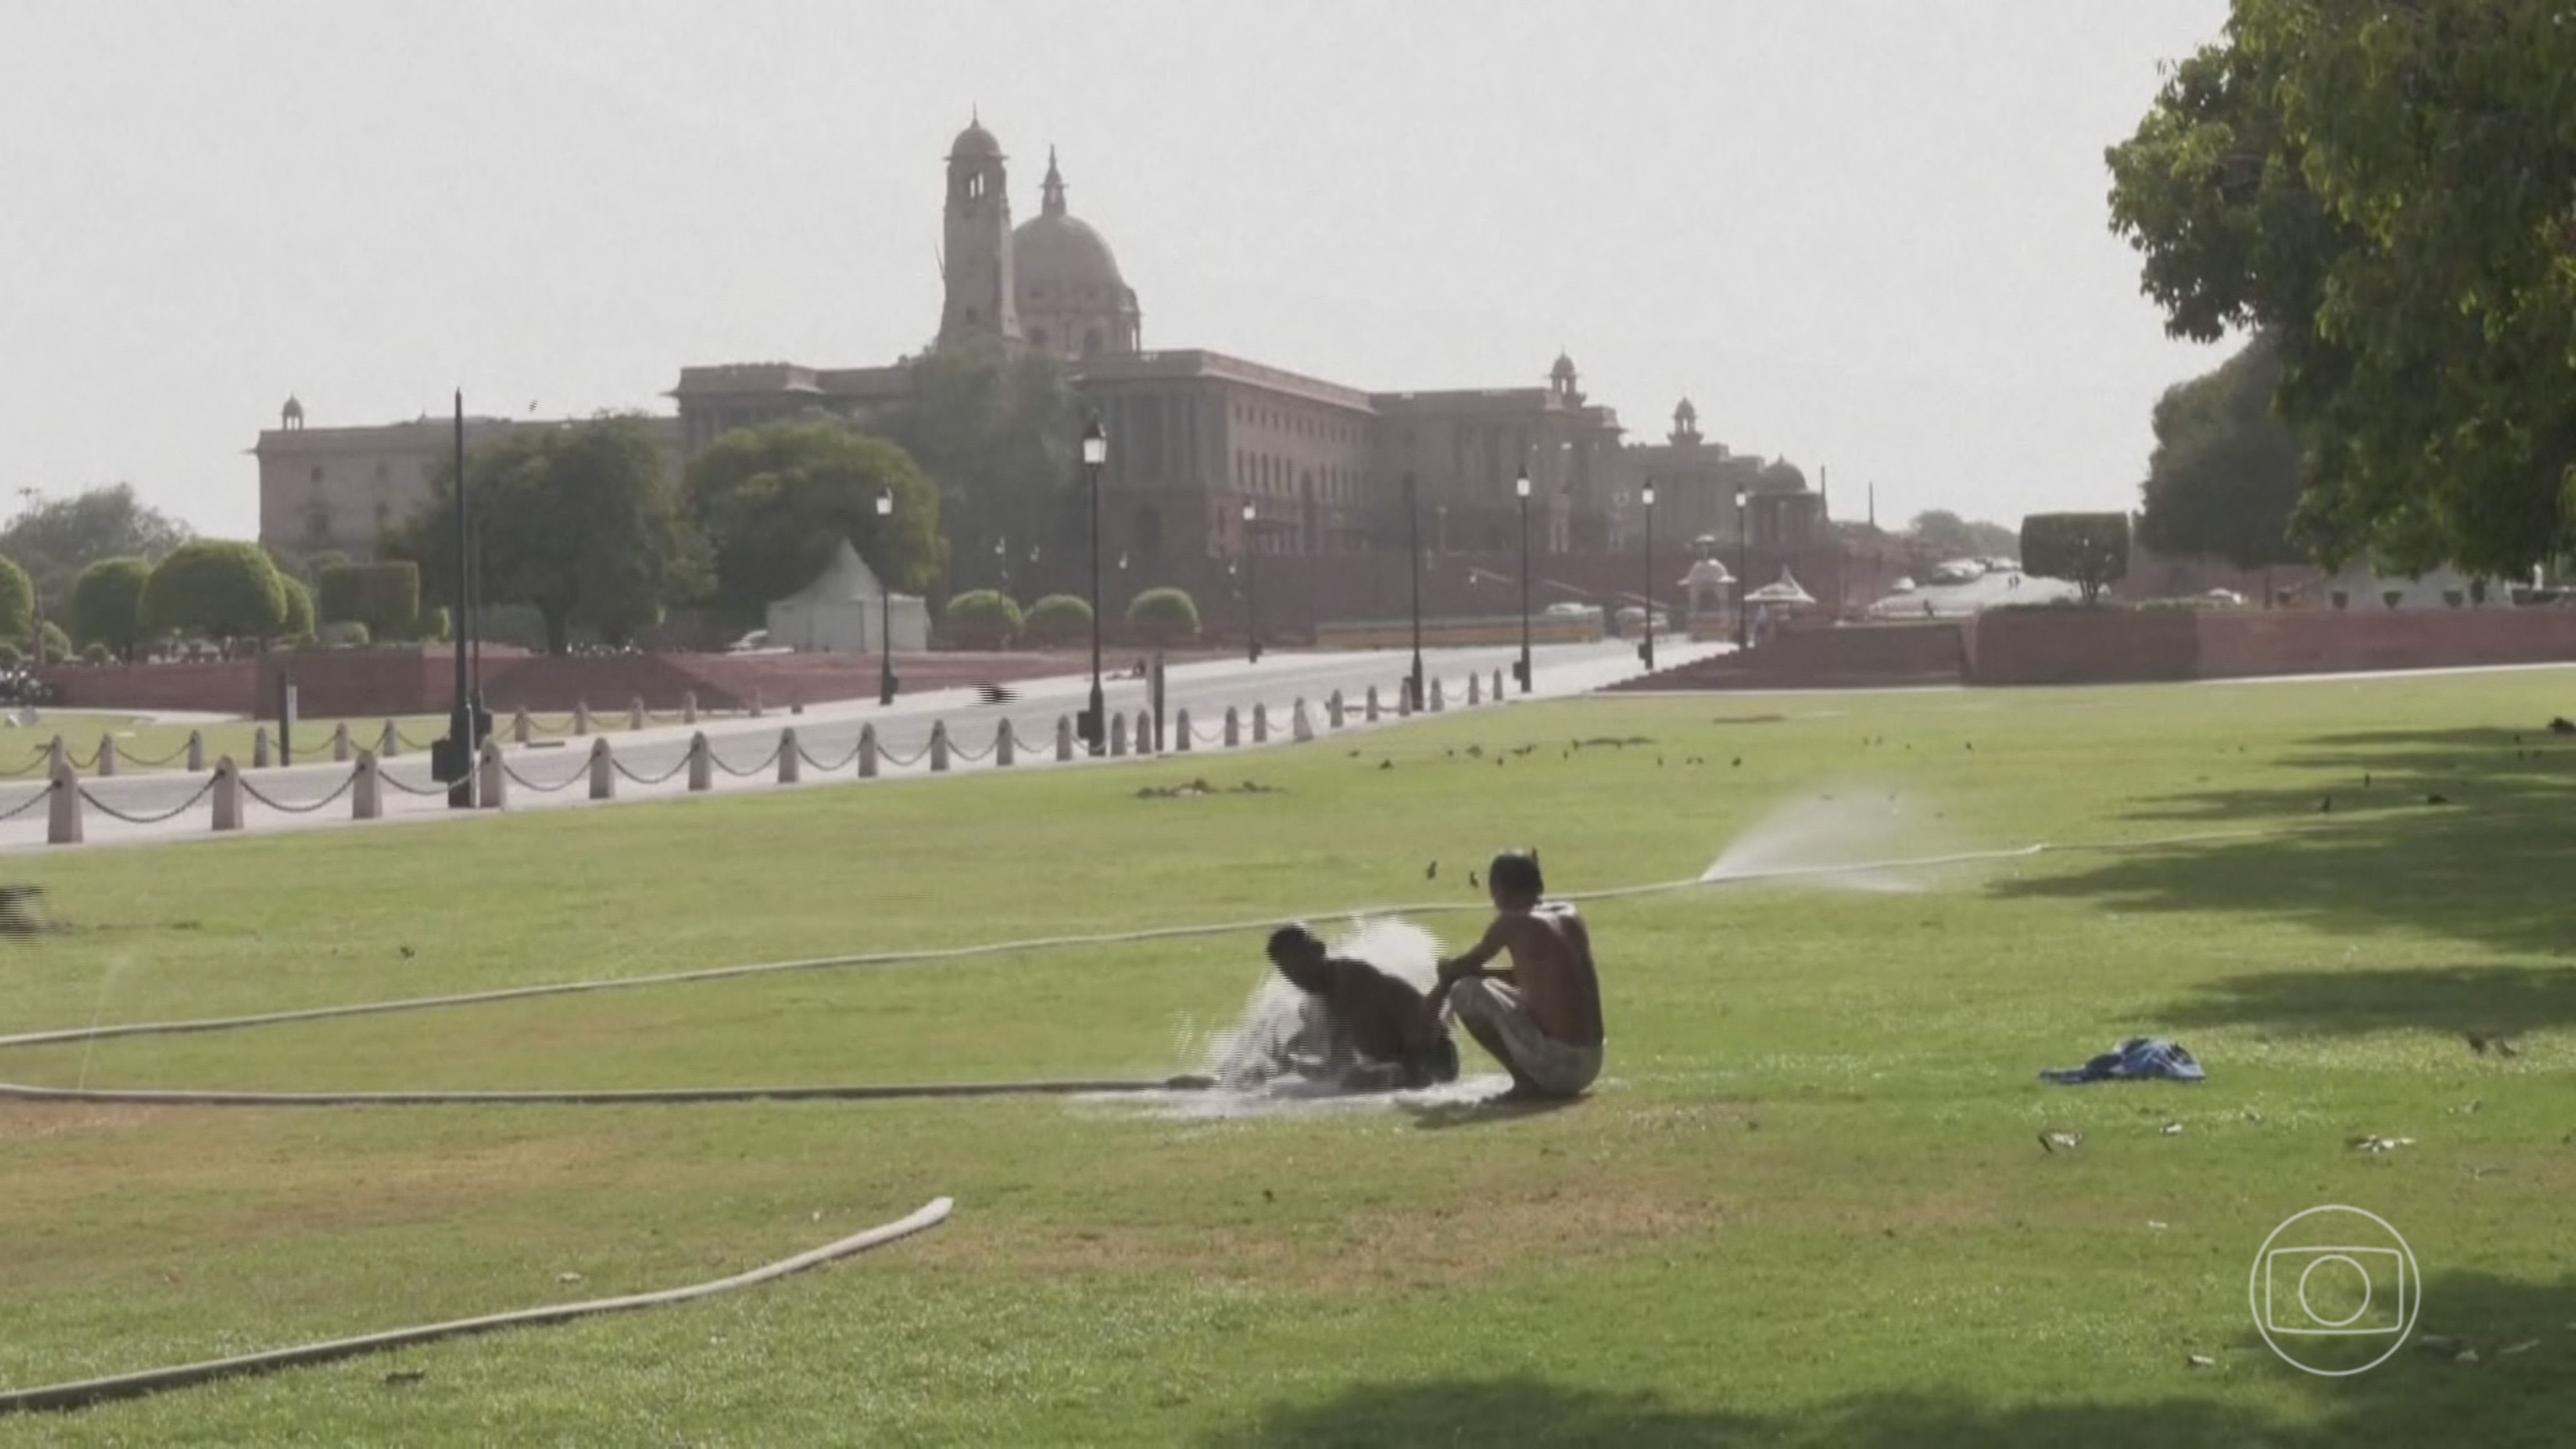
<point>555,773</point>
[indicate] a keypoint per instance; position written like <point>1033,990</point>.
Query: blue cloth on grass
<point>2139,1058</point>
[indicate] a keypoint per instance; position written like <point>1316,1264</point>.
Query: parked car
<point>751,643</point>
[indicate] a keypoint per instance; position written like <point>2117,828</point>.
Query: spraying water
<point>1849,826</point>
<point>106,979</point>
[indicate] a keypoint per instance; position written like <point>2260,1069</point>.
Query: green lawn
<point>141,745</point>
<point>1807,1207</point>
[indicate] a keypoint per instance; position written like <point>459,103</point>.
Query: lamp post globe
<point>1095,454</point>
<point>1521,487</point>
<point>1251,595</point>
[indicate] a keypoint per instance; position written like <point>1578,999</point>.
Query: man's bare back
<point>1541,1016</point>
<point>1551,953</point>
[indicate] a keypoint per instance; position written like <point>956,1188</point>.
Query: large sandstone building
<point>1194,434</point>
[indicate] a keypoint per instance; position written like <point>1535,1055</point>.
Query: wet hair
<point>1515,872</point>
<point>1298,953</point>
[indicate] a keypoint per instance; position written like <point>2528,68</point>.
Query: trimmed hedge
<point>982,618</point>
<point>107,604</point>
<point>1163,616</point>
<point>383,596</point>
<point>216,587</point>
<point>299,608</point>
<point>1055,620</point>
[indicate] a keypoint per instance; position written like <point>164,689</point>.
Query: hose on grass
<point>1045,943</point>
<point>606,1097</point>
<point>81,1395</point>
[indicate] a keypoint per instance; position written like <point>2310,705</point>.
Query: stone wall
<point>2111,646</point>
<point>1824,657</point>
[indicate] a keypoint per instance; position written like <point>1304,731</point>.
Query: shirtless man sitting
<point>1385,1024</point>
<point>1541,1018</point>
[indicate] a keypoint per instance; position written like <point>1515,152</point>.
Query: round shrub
<point>107,604</point>
<point>982,619</point>
<point>433,625</point>
<point>1055,621</point>
<point>217,587</point>
<point>58,645</point>
<point>346,634</point>
<point>1163,616</point>
<point>95,654</point>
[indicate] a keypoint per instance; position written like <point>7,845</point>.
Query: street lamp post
<point>885,601</point>
<point>1743,581</point>
<point>1413,556</point>
<point>1251,599</point>
<point>459,761</point>
<point>1521,486</point>
<point>1095,452</point>
<point>1650,578</point>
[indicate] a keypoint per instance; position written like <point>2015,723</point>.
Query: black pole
<point>474,625</point>
<point>1413,555</point>
<point>1251,601</point>
<point>1525,591</point>
<point>460,724</point>
<point>1743,580</point>
<point>885,641</point>
<point>1096,721</point>
<point>1650,578</point>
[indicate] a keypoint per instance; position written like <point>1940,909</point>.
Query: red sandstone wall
<point>229,686</point>
<point>2237,644</point>
<point>2082,646</point>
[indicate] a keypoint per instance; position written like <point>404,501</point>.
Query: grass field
<point>142,745</point>
<point>1806,1207</point>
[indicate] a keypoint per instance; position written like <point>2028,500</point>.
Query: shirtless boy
<point>1541,1017</point>
<point>1384,1022</point>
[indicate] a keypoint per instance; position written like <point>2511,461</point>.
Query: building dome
<point>1783,476</point>
<point>1061,259</point>
<point>1563,371</point>
<point>974,143</point>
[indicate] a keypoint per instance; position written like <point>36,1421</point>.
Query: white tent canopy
<point>839,612</point>
<point>1784,591</point>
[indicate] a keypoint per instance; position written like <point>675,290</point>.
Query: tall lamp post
<point>1649,651</point>
<point>458,761</point>
<point>1521,486</point>
<point>1095,452</point>
<point>1743,580</point>
<point>885,601</point>
<point>1413,556</point>
<point>1251,599</point>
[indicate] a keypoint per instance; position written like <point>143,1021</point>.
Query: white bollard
<point>1404,701</point>
<point>106,756</point>
<point>1439,696</point>
<point>227,795</point>
<point>581,716</point>
<point>1260,724</point>
<point>790,767</point>
<point>1369,709</point>
<point>196,751</point>
<point>1233,728</point>
<point>522,729</point>
<point>1475,687</point>
<point>63,810</point>
<point>1117,734</point>
<point>494,788</point>
<point>867,752</point>
<point>340,743</point>
<point>1005,750</point>
<point>1063,738</point>
<point>389,743</point>
<point>939,744</point>
<point>56,757</point>
<point>603,771</point>
<point>755,704</point>
<point>1181,732</point>
<point>1144,732</point>
<point>689,708</point>
<point>702,764</point>
<point>259,748</point>
<point>1300,728</point>
<point>1333,710</point>
<point>1498,686</point>
<point>635,713</point>
<point>367,797</point>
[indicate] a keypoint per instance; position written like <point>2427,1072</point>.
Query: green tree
<point>581,523</point>
<point>983,618</point>
<point>774,502</point>
<point>1945,534</point>
<point>999,437</point>
<point>1163,616</point>
<point>385,597</point>
<point>2224,478</point>
<point>2090,550</point>
<point>217,588</point>
<point>299,608</point>
<point>1056,620</point>
<point>57,539</point>
<point>2385,190</point>
<point>17,603</point>
<point>107,604</point>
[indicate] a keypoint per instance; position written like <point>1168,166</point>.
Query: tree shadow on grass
<point>2482,1001</point>
<point>2492,865</point>
<point>2417,1397</point>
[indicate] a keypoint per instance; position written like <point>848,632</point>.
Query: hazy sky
<point>1867,235</point>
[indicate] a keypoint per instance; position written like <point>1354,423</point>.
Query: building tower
<point>975,262</point>
<point>1073,303</point>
